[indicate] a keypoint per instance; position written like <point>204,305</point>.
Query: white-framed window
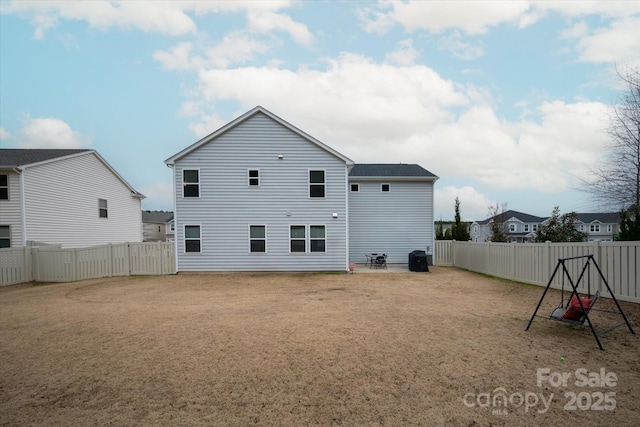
<point>159,229</point>
<point>253,176</point>
<point>526,228</point>
<point>581,227</point>
<point>609,228</point>
<point>257,238</point>
<point>535,227</point>
<point>4,187</point>
<point>385,188</point>
<point>475,230</point>
<point>317,183</point>
<point>191,183</point>
<point>192,238</point>
<point>355,188</point>
<point>317,238</point>
<point>172,226</point>
<point>5,236</point>
<point>102,208</point>
<point>594,228</point>
<point>512,228</point>
<point>298,238</point>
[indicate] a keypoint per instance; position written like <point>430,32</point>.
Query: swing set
<point>575,310</point>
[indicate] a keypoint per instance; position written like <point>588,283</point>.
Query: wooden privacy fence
<point>51,264</point>
<point>534,263</point>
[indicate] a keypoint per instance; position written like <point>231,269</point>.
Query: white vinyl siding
<point>394,223</point>
<point>61,204</point>
<point>227,204</point>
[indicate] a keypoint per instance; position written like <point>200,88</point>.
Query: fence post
<point>597,258</point>
<point>128,260</point>
<point>35,263</point>
<point>110,250</point>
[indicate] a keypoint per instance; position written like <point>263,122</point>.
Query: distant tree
<point>447,234</point>
<point>439,230</point>
<point>560,228</point>
<point>459,229</point>
<point>630,224</point>
<point>498,223</point>
<point>616,179</point>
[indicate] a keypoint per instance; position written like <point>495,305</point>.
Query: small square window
<point>385,188</point>
<point>254,177</point>
<point>355,188</point>
<point>102,208</point>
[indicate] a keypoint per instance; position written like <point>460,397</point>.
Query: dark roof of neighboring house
<point>390,170</point>
<point>10,157</point>
<point>157,216</point>
<point>607,217</point>
<point>506,215</point>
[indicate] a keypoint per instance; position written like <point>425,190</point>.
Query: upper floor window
<point>191,183</point>
<point>355,188</point>
<point>316,183</point>
<point>526,228</point>
<point>512,228</point>
<point>594,228</point>
<point>535,227</point>
<point>4,187</point>
<point>5,236</point>
<point>385,188</point>
<point>192,239</point>
<point>102,208</point>
<point>475,230</point>
<point>254,177</point>
<point>609,228</point>
<point>172,226</point>
<point>258,238</point>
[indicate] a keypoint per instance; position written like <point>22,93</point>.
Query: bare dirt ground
<point>441,348</point>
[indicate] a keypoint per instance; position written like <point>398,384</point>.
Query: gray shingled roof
<point>157,216</point>
<point>12,158</point>
<point>390,170</point>
<point>607,217</point>
<point>515,214</point>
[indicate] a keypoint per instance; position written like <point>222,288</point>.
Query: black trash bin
<point>418,261</point>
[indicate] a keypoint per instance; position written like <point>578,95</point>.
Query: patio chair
<point>381,261</point>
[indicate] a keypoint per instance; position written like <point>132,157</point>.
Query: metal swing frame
<point>558,312</point>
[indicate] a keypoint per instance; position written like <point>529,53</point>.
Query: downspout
<point>346,225</point>
<point>23,216</point>
<point>175,216</point>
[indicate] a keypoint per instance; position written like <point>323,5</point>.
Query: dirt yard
<point>385,349</point>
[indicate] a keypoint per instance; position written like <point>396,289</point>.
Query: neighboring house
<point>390,210</point>
<point>260,194</point>
<point>68,197</point>
<point>599,226</point>
<point>519,227</point>
<point>158,226</point>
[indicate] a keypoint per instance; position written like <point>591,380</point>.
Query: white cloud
<point>405,54</point>
<point>375,112</point>
<point>471,17</point>
<point>459,48</point>
<point>159,196</point>
<point>51,133</point>
<point>473,204</point>
<point>267,21</point>
<point>4,134</point>
<point>620,42</point>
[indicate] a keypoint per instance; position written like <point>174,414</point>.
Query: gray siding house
<point>157,226</point>
<point>519,227</point>
<point>390,211</point>
<point>259,194</point>
<point>69,197</point>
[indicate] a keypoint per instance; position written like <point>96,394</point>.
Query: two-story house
<point>519,227</point>
<point>260,194</point>
<point>69,197</point>
<point>599,226</point>
<point>158,226</point>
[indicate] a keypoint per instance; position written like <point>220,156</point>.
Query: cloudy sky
<point>506,101</point>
